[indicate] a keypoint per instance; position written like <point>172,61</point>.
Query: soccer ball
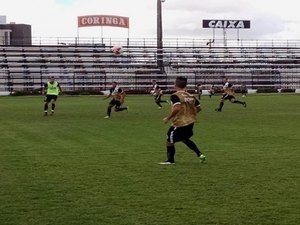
<point>117,50</point>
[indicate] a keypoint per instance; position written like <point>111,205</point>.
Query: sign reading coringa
<point>236,24</point>
<point>103,20</point>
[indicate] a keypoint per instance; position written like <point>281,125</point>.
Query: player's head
<point>52,79</point>
<point>114,84</point>
<point>180,82</point>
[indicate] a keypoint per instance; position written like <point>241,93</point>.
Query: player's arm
<point>198,106</point>
<point>175,109</point>
<point>106,97</point>
<point>44,90</point>
<point>110,94</point>
<point>123,94</point>
<point>60,90</point>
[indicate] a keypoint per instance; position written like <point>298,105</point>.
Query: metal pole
<point>159,37</point>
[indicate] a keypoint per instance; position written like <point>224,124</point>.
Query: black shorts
<point>48,98</point>
<point>176,134</point>
<point>115,102</point>
<point>227,96</point>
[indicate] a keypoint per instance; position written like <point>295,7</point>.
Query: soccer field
<point>77,168</point>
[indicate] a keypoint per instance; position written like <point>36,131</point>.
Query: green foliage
<point>77,168</point>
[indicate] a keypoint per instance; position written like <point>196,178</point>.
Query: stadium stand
<point>80,67</point>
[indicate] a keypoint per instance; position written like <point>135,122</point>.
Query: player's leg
<point>122,108</point>
<point>219,109</point>
<point>46,108</point>
<point>161,101</point>
<point>187,133</point>
<point>191,145</point>
<point>233,100</point>
<point>170,152</point>
<point>118,107</point>
<point>170,145</point>
<point>47,100</point>
<point>199,95</point>
<point>157,101</point>
<point>109,107</point>
<point>53,101</point>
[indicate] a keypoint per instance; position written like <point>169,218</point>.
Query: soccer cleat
<point>127,108</point>
<point>159,107</point>
<point>244,104</point>
<point>167,163</point>
<point>202,158</point>
<point>106,117</point>
<point>218,110</point>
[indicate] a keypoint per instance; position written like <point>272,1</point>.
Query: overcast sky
<point>270,19</point>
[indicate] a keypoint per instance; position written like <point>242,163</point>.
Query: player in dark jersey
<point>157,92</point>
<point>228,95</point>
<point>211,91</point>
<point>244,90</point>
<point>118,99</point>
<point>185,107</point>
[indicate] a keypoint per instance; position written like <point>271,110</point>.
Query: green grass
<point>76,168</point>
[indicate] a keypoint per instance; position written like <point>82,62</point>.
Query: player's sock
<point>221,106</point>
<point>46,107</point>
<point>53,107</point>
<point>158,103</point>
<point>121,109</point>
<point>239,102</point>
<point>171,153</point>
<point>108,111</point>
<point>192,146</point>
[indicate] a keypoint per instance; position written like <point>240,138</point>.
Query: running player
<point>211,91</point>
<point>118,99</point>
<point>157,92</point>
<point>228,94</point>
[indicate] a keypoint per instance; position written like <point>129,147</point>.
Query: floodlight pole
<point>160,61</point>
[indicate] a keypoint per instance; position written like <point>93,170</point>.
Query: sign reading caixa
<point>103,20</point>
<point>236,24</point>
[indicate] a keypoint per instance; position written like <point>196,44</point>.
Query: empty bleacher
<point>79,67</point>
